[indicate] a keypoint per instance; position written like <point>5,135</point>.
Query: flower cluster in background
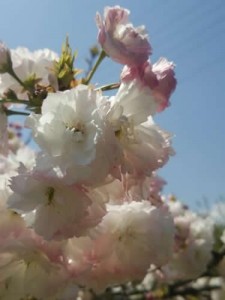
<point>84,216</point>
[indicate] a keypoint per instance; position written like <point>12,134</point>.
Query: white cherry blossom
<point>25,64</point>
<point>74,136</point>
<point>53,210</point>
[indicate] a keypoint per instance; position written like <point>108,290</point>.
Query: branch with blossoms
<point>84,216</point>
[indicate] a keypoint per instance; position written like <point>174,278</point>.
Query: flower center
<point>78,130</point>
<point>124,130</point>
<point>128,235</point>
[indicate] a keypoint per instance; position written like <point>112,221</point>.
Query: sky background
<point>191,33</point>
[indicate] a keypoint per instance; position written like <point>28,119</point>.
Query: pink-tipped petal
<point>120,39</point>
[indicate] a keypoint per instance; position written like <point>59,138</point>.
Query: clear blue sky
<point>191,33</point>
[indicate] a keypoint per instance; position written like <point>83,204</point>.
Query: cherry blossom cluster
<point>85,211</point>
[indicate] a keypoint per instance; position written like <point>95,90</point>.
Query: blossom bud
<point>5,59</point>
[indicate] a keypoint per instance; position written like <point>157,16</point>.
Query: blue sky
<point>190,33</point>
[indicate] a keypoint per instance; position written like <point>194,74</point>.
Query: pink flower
<point>164,71</point>
<point>159,77</point>
<point>120,40</point>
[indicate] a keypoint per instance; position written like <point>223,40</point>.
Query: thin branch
<point>13,112</point>
<point>109,87</point>
<point>102,55</point>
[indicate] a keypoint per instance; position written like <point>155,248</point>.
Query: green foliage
<point>64,69</point>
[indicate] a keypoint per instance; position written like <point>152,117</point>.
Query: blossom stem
<point>109,87</point>
<point>13,74</point>
<point>102,55</point>
<point>187,291</point>
<point>10,112</point>
<point>18,101</point>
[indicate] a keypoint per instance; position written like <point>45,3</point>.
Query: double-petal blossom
<point>157,80</point>
<point>120,39</point>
